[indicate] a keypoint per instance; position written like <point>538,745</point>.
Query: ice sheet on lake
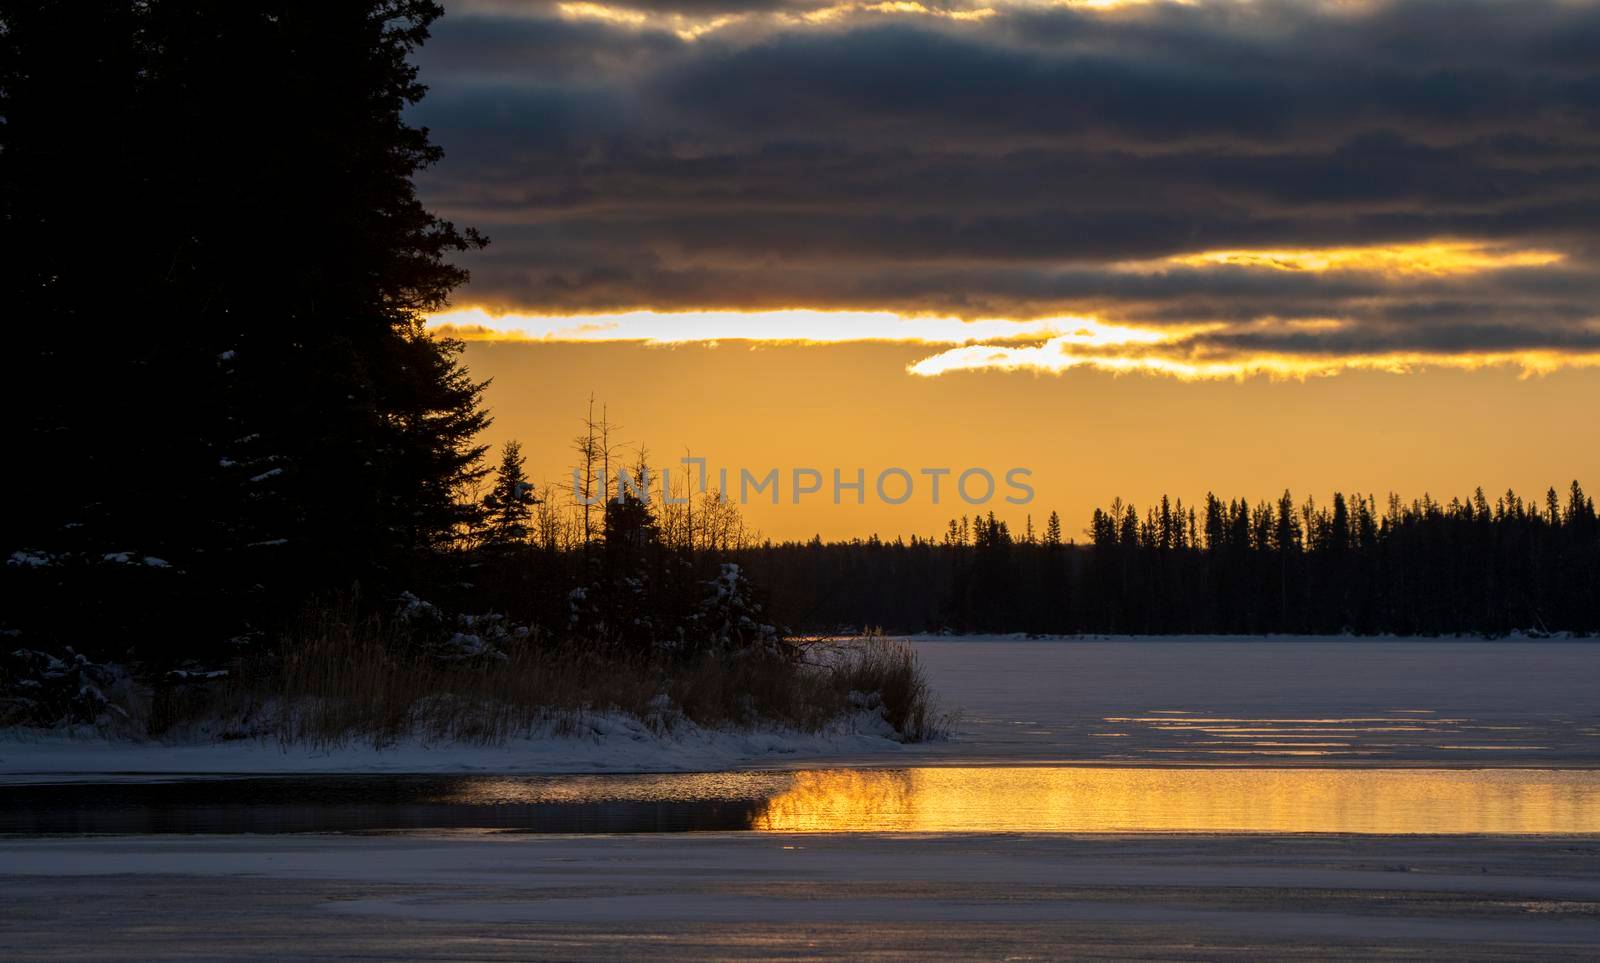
<point>1278,700</point>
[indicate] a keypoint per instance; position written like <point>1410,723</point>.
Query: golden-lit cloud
<point>901,7</point>
<point>798,326</point>
<point>686,26</point>
<point>690,26</point>
<point>1434,258</point>
<point>1374,334</point>
<point>601,11</point>
<point>1175,358</point>
<point>1110,4</point>
<point>1188,352</point>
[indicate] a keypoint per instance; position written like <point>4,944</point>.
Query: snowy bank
<point>597,743</point>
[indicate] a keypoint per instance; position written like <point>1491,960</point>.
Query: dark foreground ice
<point>735,896</point>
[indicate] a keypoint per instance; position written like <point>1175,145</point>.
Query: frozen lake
<point>1216,799</point>
<point>1278,701</point>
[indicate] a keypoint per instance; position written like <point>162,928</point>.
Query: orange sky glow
<point>1132,247</point>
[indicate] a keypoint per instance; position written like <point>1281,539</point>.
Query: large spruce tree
<point>221,398</point>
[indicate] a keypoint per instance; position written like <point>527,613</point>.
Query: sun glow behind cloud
<point>1202,349</point>
<point>1045,346</point>
<point>798,326</point>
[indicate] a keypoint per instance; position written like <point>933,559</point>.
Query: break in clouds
<point>1202,189</point>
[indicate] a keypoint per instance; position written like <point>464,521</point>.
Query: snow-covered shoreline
<point>1169,701</point>
<point>602,743</point>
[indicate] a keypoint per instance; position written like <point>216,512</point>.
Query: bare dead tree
<point>587,448</point>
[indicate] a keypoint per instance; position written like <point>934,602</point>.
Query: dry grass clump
<point>344,679</point>
<point>889,669</point>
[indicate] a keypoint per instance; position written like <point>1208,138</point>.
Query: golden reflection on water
<point>1090,800</point>
<point>686,787</point>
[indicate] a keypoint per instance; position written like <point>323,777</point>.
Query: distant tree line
<point>1353,565</point>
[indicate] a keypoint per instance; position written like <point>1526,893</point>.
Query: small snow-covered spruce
<point>662,716</point>
<point>730,617</point>
<point>459,638</point>
<point>414,609</point>
<point>41,689</point>
<point>585,618</point>
<point>30,560</point>
<point>134,558</point>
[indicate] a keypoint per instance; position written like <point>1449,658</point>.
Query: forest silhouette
<point>1351,566</point>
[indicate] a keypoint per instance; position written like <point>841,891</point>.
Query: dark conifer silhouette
<point>220,267</point>
<point>508,507</point>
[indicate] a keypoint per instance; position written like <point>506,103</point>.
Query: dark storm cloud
<point>1012,165</point>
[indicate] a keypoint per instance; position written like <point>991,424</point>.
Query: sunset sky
<point>1132,247</point>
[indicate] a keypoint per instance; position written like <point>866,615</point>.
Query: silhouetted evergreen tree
<point>509,504</point>
<point>222,385</point>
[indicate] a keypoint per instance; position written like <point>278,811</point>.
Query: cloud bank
<point>1264,186</point>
